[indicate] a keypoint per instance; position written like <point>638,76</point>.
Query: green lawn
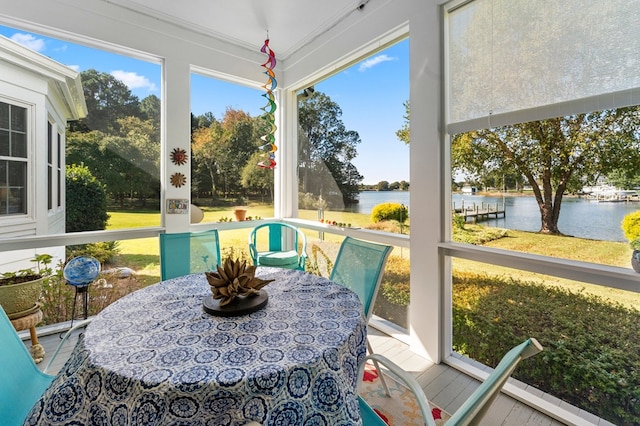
<point>593,251</point>
<point>142,254</point>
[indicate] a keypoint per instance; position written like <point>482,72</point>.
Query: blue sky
<point>370,94</point>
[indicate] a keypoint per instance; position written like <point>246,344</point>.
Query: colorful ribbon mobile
<point>269,121</point>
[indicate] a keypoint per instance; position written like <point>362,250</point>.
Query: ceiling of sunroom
<point>291,24</point>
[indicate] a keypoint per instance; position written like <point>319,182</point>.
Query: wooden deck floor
<point>445,386</point>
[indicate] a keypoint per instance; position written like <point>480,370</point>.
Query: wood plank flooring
<point>444,385</point>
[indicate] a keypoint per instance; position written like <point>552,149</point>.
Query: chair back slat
<point>189,253</point>
<point>359,266</point>
<point>21,382</point>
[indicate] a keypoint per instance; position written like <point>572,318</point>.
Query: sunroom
<point>468,70</point>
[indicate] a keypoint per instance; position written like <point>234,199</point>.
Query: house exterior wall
<point>23,87</point>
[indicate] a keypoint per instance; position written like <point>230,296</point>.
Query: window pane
<point>509,59</point>
<point>350,157</point>
<point>19,145</point>
<point>589,334</point>
<point>17,194</point>
<point>4,179</point>
<point>227,125</point>
<point>4,116</point>
<point>18,119</point>
<point>588,165</point>
<point>17,173</point>
<point>4,142</point>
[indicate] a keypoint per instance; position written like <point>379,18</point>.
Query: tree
<point>554,155</point>
<point>224,148</point>
<point>204,148</point>
<point>325,151</point>
<point>403,134</point>
<point>383,185</point>
<point>127,162</point>
<point>107,99</point>
<point>257,179</point>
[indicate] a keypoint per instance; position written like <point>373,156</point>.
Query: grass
<point>594,251</point>
<point>142,254</point>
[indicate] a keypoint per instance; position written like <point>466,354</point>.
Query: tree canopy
<point>325,151</point>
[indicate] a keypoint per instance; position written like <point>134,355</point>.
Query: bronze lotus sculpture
<point>233,279</point>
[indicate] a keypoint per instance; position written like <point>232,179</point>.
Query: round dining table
<point>155,357</point>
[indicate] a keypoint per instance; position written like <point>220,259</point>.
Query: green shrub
<point>104,251</point>
<point>591,357</point>
<point>395,281</point>
<point>631,226</point>
<point>458,221</point>
<point>86,201</point>
<point>389,211</point>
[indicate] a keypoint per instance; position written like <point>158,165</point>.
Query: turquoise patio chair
<point>359,266</point>
<point>189,253</point>
<point>269,245</point>
<point>21,382</point>
<point>474,408</point>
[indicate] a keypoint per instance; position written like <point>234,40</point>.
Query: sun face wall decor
<point>268,121</point>
<point>179,156</point>
<point>178,180</point>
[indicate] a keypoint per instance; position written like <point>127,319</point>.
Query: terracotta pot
<point>21,297</point>
<point>240,214</point>
<point>635,260</point>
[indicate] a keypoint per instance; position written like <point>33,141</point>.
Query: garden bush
<point>86,201</point>
<point>389,211</point>
<point>631,226</point>
<point>592,346</point>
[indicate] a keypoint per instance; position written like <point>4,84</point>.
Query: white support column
<point>426,309</point>
<point>176,134</point>
<point>286,171</point>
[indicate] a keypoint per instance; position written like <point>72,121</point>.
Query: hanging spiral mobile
<point>268,124</point>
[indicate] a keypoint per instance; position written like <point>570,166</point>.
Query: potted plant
<point>631,229</point>
<point>240,213</point>
<point>20,291</point>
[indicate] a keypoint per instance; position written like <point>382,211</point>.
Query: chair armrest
<point>64,339</point>
<point>408,380</point>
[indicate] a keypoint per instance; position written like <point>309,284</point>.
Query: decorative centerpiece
<point>236,290</point>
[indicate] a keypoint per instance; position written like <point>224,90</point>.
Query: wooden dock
<point>475,213</point>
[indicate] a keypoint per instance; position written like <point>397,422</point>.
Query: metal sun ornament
<point>179,156</point>
<point>268,118</point>
<point>178,180</point>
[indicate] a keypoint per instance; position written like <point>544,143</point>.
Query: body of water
<point>578,216</point>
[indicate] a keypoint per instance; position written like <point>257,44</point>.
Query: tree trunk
<point>549,220</point>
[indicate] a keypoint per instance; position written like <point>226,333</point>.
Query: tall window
<point>50,175</point>
<point>59,171</point>
<point>542,113</point>
<point>118,141</point>
<point>225,150</point>
<point>13,159</point>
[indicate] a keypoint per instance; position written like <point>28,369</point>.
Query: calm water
<point>578,217</point>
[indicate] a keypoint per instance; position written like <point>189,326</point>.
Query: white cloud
<point>370,63</point>
<point>28,40</point>
<point>134,80</point>
<point>76,68</point>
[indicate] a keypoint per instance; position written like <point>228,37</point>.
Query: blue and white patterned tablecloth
<point>155,357</point>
